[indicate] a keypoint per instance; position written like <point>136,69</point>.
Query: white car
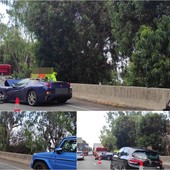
<point>80,155</point>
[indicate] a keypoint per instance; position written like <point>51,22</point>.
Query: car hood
<point>43,154</point>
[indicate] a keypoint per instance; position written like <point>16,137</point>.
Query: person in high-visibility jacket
<point>52,77</point>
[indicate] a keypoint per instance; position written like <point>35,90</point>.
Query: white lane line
<point>10,166</point>
<point>94,163</point>
<point>82,108</point>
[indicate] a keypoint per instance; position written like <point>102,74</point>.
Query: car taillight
<point>135,162</point>
<point>48,85</point>
<point>160,161</point>
<point>69,84</point>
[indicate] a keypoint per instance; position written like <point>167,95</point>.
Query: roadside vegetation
<point>112,42</point>
<point>137,129</point>
<point>30,132</point>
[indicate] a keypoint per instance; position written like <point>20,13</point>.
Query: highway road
<point>70,105</point>
<point>90,163</point>
<point>10,165</point>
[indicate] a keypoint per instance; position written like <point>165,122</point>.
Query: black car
<point>106,155</point>
<point>136,158</point>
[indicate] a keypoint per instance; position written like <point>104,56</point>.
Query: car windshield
<point>146,155</point>
<point>21,82</point>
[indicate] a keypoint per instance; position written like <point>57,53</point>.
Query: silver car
<point>80,155</point>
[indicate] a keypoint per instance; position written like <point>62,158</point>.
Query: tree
<point>8,121</point>
<point>151,58</point>
<point>108,139</point>
<point>125,132</point>
<point>17,52</point>
<point>149,54</point>
<point>71,38</point>
<point>121,129</point>
<point>150,131</point>
<point>34,130</point>
<point>46,127</point>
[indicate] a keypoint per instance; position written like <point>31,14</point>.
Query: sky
<point>3,11</point>
<point>89,125</point>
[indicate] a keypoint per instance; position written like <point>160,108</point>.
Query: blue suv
<point>63,157</point>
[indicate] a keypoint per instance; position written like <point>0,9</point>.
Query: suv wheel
<point>2,96</point>
<point>40,166</point>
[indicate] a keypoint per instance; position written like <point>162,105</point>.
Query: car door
<point>117,159</point>
<point>17,90</point>
<point>124,158</point>
<point>66,157</point>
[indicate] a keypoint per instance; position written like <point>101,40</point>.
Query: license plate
<point>61,91</point>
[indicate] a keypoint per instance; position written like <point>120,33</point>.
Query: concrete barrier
<point>165,160</point>
<point>123,96</point>
<point>17,157</point>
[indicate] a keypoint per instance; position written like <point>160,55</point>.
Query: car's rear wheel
<point>109,157</point>
<point>40,166</point>
<point>32,98</point>
<point>2,96</point>
<point>123,168</point>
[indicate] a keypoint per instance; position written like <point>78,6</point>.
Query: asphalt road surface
<point>10,165</point>
<point>70,105</point>
<point>90,163</point>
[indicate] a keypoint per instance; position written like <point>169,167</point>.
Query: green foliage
<point>71,38</point>
<point>76,37</point>
<point>135,129</point>
<point>141,30</point>
<point>151,57</point>
<point>34,130</point>
<point>150,130</point>
<point>107,139</point>
<point>125,132</point>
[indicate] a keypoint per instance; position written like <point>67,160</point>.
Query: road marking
<point>94,163</point>
<point>80,108</point>
<point>10,166</point>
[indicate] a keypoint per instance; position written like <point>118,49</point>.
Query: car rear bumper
<point>56,97</point>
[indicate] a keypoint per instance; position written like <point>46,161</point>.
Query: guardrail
<point>123,96</point>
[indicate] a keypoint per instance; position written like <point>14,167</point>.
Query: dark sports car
<point>35,91</point>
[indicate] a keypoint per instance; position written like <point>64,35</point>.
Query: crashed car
<point>136,158</point>
<point>35,91</point>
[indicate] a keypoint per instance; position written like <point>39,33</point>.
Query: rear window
<point>79,152</point>
<point>146,155</point>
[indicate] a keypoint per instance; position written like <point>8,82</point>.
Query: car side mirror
<point>58,150</point>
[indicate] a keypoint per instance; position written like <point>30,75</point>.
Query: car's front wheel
<point>109,157</point>
<point>2,96</point>
<point>32,98</point>
<point>40,166</point>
